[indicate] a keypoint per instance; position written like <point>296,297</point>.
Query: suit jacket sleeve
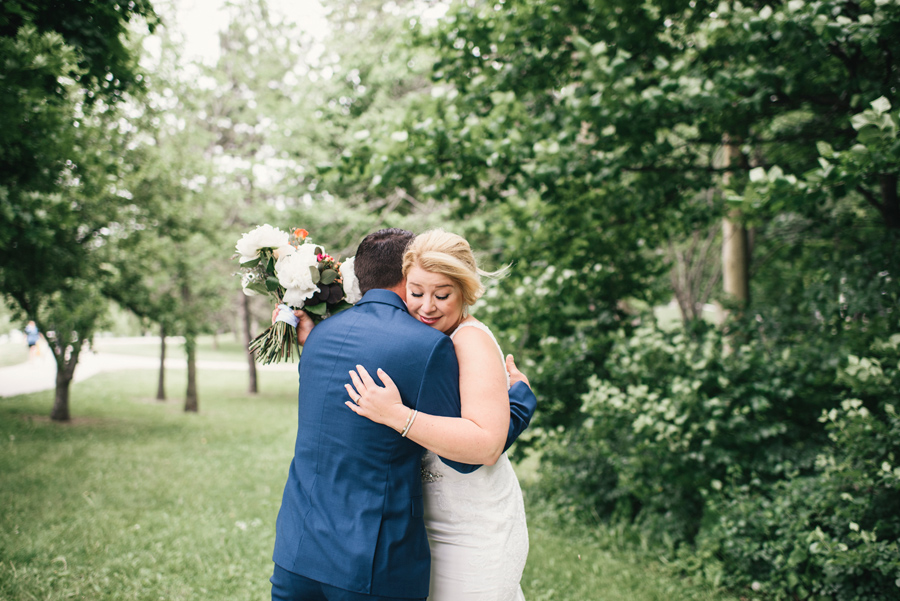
<point>522,404</point>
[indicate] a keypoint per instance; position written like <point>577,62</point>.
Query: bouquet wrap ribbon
<point>286,314</point>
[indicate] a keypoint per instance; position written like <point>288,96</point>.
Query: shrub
<point>773,472</point>
<point>834,533</point>
<point>678,418</point>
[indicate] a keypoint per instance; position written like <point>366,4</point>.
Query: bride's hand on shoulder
<point>381,404</point>
<point>514,374</point>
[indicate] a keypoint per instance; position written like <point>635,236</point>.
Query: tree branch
<point>872,199</point>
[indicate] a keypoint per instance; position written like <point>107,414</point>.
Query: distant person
<point>33,336</point>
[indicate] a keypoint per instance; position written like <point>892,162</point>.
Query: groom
<point>350,526</point>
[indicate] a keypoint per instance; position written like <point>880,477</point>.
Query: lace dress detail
<point>476,527</point>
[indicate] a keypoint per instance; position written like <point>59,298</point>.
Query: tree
<point>180,280</point>
<point>64,71</point>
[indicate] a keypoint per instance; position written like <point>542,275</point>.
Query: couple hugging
<point>365,515</point>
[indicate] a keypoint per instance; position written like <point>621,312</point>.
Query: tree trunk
<point>65,371</point>
<point>248,336</point>
<point>735,242</point>
<point>735,259</point>
<point>190,399</point>
<point>889,200</point>
<point>60,412</point>
<point>161,386</point>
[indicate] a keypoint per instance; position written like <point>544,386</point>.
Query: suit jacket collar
<point>386,297</point>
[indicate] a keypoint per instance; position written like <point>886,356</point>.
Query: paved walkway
<point>40,373</point>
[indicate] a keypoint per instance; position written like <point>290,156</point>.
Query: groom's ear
<point>400,289</point>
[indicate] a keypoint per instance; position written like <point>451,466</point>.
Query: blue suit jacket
<point>351,514</point>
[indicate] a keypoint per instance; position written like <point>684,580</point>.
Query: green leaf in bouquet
<point>315,274</point>
<point>270,266</point>
<point>340,307</point>
<point>251,262</point>
<point>259,287</point>
<point>329,276</point>
<point>272,284</point>
<point>317,309</point>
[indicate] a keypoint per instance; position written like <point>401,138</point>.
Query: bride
<point>476,521</point>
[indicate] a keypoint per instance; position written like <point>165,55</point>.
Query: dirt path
<point>40,373</point>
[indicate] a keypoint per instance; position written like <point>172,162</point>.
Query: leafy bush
<point>681,416</point>
<point>776,473</point>
<point>834,533</point>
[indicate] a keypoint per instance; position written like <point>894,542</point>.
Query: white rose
<point>264,236</point>
<point>352,293</point>
<point>294,275</point>
<point>283,251</point>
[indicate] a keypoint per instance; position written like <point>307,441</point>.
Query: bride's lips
<point>428,320</point>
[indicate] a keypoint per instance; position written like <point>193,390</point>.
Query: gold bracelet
<point>409,423</point>
<point>406,425</point>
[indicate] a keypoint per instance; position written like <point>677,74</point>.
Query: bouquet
<point>297,274</point>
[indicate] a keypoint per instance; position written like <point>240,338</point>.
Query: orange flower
<point>301,233</point>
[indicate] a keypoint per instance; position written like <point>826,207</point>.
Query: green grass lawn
<point>221,348</point>
<point>136,500</point>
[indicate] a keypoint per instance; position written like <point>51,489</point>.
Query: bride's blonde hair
<point>450,255</point>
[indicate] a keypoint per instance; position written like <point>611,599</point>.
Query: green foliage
<point>66,68</point>
<point>37,123</point>
<point>776,469</point>
<point>677,417</point>
<point>56,57</point>
<point>865,170</point>
<point>97,31</point>
<point>560,304</point>
<point>833,532</point>
<point>591,135</point>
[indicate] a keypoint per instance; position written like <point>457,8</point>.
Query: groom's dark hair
<point>379,259</point>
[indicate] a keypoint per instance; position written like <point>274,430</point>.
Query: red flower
<point>301,233</point>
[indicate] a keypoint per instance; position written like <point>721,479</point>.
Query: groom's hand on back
<point>304,327</point>
<point>515,375</point>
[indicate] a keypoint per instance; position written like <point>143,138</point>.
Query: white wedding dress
<point>476,527</point>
